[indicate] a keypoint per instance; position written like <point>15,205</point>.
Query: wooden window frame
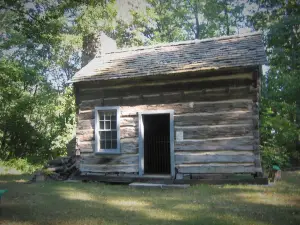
<point>97,129</point>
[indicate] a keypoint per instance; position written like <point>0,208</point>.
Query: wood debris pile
<point>62,168</point>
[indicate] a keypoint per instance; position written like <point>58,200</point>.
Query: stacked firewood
<point>61,168</point>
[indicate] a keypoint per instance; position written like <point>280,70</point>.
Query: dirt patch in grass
<point>95,203</point>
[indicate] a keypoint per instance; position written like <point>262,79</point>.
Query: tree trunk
<point>197,34</point>
<point>298,124</point>
<point>226,17</point>
<point>3,141</point>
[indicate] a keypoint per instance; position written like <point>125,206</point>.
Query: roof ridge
<point>182,43</point>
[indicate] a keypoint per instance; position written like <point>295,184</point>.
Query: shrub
<point>21,165</point>
<point>274,156</point>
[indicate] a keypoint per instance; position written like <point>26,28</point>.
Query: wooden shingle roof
<point>178,57</point>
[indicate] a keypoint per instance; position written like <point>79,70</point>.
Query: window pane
<point>101,115</point>
<point>114,144</point>
<point>113,125</point>
<point>101,125</point>
<point>102,144</point>
<point>107,116</point>
<point>114,135</point>
<point>108,129</point>
<point>108,144</point>
<point>108,135</point>
<point>113,116</point>
<point>102,135</point>
<point>107,125</point>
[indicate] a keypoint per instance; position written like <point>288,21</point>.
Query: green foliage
<point>35,124</point>
<point>278,133</point>
<point>41,46</point>
<point>274,156</point>
<point>91,17</point>
<point>162,21</point>
<point>174,20</point>
<point>280,114</point>
<point>21,165</point>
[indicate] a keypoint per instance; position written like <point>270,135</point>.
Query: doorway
<point>156,143</point>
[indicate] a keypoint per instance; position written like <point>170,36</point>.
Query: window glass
<point>114,144</point>
<point>114,134</point>
<point>108,129</point>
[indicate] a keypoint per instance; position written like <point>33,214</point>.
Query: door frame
<point>141,139</point>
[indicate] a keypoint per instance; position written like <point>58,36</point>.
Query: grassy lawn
<point>95,203</point>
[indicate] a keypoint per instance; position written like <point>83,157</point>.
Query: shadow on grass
<point>92,203</point>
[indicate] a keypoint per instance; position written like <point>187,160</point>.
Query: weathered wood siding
<point>217,114</point>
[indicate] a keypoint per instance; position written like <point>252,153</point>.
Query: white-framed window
<point>107,130</point>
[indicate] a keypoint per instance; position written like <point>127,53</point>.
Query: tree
<point>162,21</point>
<point>174,20</point>
<point>281,87</point>
<point>41,46</point>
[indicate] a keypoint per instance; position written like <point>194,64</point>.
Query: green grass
<point>95,203</point>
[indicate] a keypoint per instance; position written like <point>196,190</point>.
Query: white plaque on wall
<point>179,135</point>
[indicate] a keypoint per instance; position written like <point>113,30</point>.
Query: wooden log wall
<point>217,115</point>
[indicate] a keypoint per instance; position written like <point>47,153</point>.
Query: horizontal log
<point>83,132</point>
<point>129,121</point>
<point>218,118</point>
<point>217,168</point>
<point>133,168</point>
<point>216,131</point>
<point>167,86</point>
<point>155,83</point>
<point>171,77</point>
<point>86,151</point>
<point>131,100</point>
<point>111,159</point>
<point>199,95</point>
<point>86,124</point>
<point>86,145</point>
<point>215,94</point>
<point>87,136</point>
<point>90,104</point>
<point>128,132</point>
<point>236,143</point>
<point>215,157</point>
<point>129,145</point>
<point>111,101</point>
<point>192,107</point>
<point>153,98</point>
<point>55,169</point>
<point>172,97</point>
<point>180,108</point>
<point>219,94</point>
<point>223,106</point>
<point>86,115</point>
<point>129,111</point>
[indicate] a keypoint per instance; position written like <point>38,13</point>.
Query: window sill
<point>108,153</point>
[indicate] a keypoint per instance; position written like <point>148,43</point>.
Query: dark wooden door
<point>156,143</point>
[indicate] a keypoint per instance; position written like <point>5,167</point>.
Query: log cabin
<point>174,110</point>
